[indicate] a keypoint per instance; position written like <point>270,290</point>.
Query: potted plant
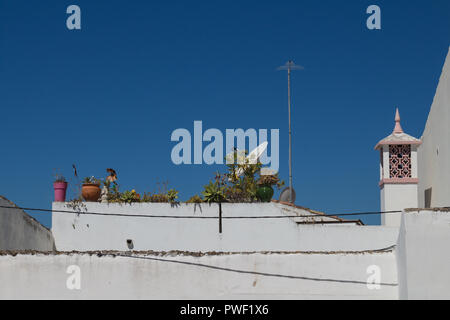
<point>265,192</point>
<point>91,189</point>
<point>60,187</point>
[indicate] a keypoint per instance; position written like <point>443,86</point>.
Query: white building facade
<point>434,154</point>
<point>400,271</point>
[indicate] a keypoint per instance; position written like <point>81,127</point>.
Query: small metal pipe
<point>220,217</point>
<point>290,135</point>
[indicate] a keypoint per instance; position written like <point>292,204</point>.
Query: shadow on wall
<point>19,231</point>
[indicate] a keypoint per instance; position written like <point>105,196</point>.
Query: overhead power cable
<point>264,274</point>
<point>334,215</point>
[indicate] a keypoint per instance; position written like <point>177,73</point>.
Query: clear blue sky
<point>111,94</point>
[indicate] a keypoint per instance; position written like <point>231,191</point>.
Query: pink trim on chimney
<point>399,181</point>
<point>386,143</point>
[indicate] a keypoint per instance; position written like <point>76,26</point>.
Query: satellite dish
<point>285,195</point>
<point>254,156</point>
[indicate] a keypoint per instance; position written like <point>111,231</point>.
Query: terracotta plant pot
<point>60,191</point>
<point>91,192</point>
<point>265,193</point>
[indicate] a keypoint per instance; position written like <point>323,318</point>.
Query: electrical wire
<point>265,274</point>
<point>81,212</point>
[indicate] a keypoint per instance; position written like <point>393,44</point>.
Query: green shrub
<point>214,192</point>
<point>195,199</point>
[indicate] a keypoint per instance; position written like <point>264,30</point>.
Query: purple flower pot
<point>60,191</point>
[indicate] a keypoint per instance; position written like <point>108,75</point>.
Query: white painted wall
<point>397,197</point>
<point>423,257</point>
<point>107,277</point>
<point>434,153</point>
<point>416,269</point>
<point>90,232</point>
<point>19,231</point>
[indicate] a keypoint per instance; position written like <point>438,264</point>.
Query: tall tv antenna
<point>290,66</point>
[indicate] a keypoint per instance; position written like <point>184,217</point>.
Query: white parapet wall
<point>119,223</point>
<point>19,231</point>
<point>423,254</point>
<point>309,262</point>
<point>151,276</point>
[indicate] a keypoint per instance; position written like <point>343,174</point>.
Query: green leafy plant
<point>77,205</point>
<point>270,180</point>
<point>155,198</point>
<point>130,197</point>
<point>214,192</point>
<point>58,176</point>
<point>92,180</point>
<point>195,199</point>
<point>242,182</point>
<point>172,195</point>
<point>114,195</point>
<point>163,195</point>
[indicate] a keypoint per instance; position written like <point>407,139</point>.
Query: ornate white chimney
<point>398,173</point>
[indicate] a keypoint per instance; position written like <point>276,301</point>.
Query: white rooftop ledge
<point>124,226</point>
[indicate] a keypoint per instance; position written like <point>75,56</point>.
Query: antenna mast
<point>289,66</point>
